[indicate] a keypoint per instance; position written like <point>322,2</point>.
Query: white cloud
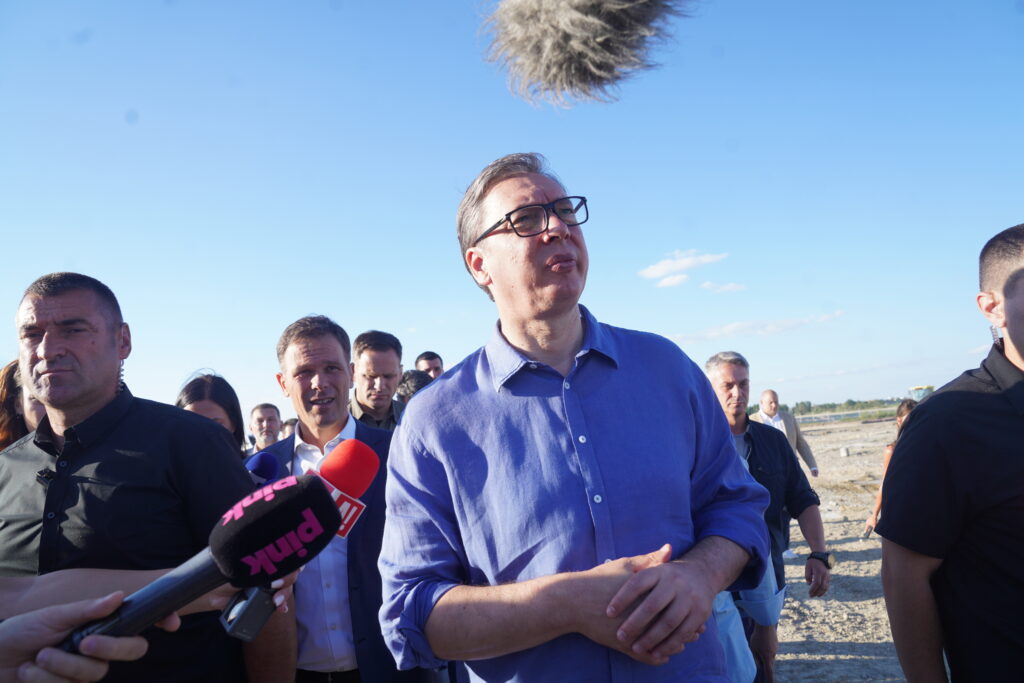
<point>719,289</point>
<point>673,280</point>
<point>757,328</point>
<point>677,261</point>
<point>980,349</point>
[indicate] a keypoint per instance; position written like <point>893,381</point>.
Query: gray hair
<point>468,218</point>
<point>725,358</point>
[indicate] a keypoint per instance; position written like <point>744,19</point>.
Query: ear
<point>476,262</point>
<point>991,306</point>
<point>125,342</point>
<point>280,383</point>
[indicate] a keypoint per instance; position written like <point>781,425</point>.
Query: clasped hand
<point>655,607</point>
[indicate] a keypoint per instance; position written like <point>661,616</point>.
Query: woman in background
<point>902,411</point>
<point>211,396</point>
<point>20,412</point>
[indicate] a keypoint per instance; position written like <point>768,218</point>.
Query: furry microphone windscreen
<point>564,50</point>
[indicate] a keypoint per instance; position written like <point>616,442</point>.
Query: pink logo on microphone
<point>266,493</point>
<point>348,507</point>
<point>292,543</point>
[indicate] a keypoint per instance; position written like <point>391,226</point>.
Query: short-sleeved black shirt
<point>138,485</point>
<point>955,490</point>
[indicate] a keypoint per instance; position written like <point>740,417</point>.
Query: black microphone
<point>266,535</point>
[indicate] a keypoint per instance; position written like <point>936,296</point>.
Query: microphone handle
<point>148,605</point>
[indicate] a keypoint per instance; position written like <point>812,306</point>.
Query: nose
<point>557,229</point>
<point>50,347</point>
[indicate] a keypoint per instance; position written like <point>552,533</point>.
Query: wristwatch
<point>826,559</point>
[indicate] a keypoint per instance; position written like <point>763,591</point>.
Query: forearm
<point>805,454</point>
<point>24,594</point>
<point>913,613</point>
<point>812,528</point>
<point>720,559</point>
<point>479,622</point>
<point>271,656</point>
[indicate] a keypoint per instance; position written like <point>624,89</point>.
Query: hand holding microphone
<point>263,537</point>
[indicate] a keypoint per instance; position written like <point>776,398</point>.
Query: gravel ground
<point>843,636</point>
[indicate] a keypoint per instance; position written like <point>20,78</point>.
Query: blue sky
<point>808,183</point>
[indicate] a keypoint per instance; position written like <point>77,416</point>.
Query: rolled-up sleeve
<point>421,557</point>
<point>727,502</point>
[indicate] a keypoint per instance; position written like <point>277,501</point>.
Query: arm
<point>478,622</point>
<point>675,598</point>
<point>913,614</point>
<point>20,594</point>
<point>804,449</point>
<point>270,657</point>
<point>25,642</point>
<point>26,593</point>
<point>815,573</point>
<point>873,519</point>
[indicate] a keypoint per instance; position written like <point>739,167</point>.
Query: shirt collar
<point>91,429</point>
<point>357,410</point>
<point>505,361</point>
<point>1007,375</point>
<point>347,432</point>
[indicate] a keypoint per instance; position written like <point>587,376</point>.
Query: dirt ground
<point>843,636</point>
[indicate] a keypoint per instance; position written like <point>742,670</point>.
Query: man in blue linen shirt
<point>541,526</point>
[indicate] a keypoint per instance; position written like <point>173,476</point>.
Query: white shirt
<point>773,421</point>
<point>321,591</point>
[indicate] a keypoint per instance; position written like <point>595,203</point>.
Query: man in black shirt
<point>766,454</point>
<point>112,481</point>
<point>953,503</point>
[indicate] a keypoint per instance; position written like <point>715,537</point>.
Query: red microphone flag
<point>348,470</point>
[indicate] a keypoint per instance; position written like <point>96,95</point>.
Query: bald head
<point>769,402</point>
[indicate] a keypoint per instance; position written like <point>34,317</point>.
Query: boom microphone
<point>560,50</point>
<point>266,535</point>
<point>349,469</point>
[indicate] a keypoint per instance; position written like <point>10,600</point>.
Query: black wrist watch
<point>825,558</point>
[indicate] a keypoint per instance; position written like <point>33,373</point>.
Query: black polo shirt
<point>955,490</point>
<point>138,485</point>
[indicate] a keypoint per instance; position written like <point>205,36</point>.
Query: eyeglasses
<point>533,219</point>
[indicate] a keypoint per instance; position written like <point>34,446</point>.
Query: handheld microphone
<point>266,535</point>
<point>349,469</point>
<point>575,49</point>
<point>264,468</point>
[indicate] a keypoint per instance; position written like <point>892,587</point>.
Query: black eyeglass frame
<point>548,208</point>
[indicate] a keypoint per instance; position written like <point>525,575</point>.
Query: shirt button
<point>533,366</point>
<point>583,439</point>
<point>608,560</point>
<point>598,498</point>
<point>334,627</point>
<point>566,385</point>
<point>327,585</point>
<point>62,463</point>
<point>50,515</point>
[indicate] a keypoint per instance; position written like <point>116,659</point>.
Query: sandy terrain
<point>845,635</point>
